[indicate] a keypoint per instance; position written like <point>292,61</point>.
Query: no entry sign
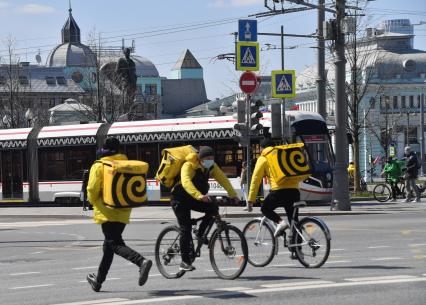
<point>248,82</point>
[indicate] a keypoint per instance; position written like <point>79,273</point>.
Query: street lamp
<point>29,116</point>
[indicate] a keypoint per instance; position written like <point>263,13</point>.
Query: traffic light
<point>255,116</point>
<point>240,128</point>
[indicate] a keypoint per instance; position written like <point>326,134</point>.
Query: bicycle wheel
<point>382,192</point>
<point>312,243</point>
<point>261,243</point>
<point>167,253</point>
<point>401,187</point>
<point>228,252</point>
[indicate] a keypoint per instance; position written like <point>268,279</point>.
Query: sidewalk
<point>165,212</point>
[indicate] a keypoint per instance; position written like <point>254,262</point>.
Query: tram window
<point>52,164</point>
<point>131,151</point>
<point>78,159</point>
<point>149,154</point>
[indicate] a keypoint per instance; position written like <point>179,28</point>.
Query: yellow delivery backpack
<point>124,183</point>
<point>288,163</point>
<point>171,162</point>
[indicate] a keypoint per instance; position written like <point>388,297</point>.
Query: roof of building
<point>42,80</point>
<point>187,61</point>
<point>71,54</point>
<point>70,30</point>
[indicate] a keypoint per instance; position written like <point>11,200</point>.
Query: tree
<point>17,84</point>
<point>362,57</point>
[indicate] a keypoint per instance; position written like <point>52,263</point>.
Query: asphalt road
<point>375,259</point>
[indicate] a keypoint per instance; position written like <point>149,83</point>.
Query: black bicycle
<point>227,249</point>
<point>382,192</point>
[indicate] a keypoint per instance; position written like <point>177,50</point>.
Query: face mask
<point>207,163</point>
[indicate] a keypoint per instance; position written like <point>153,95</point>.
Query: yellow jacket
<point>101,212</point>
<point>188,171</point>
<point>261,170</point>
<point>351,170</point>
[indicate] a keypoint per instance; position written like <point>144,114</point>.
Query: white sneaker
<point>280,227</point>
<point>416,200</point>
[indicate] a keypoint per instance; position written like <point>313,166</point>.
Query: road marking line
<point>262,290</point>
<point>385,258</point>
<point>210,270</point>
<point>102,301</point>
<point>35,286</point>
<point>334,250</point>
<point>23,273</point>
<point>233,289</point>
<point>296,284</point>
<point>113,279</point>
<point>151,275</point>
<point>337,262</point>
<point>282,265</point>
<point>378,247</point>
<point>81,268</point>
<point>417,245</point>
<point>378,278</point>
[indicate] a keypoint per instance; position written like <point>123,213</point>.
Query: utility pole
<point>340,181</point>
<point>283,120</point>
<point>321,78</point>
<point>422,134</point>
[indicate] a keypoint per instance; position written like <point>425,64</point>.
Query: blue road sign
<point>248,56</point>
<point>284,83</point>
<point>247,30</point>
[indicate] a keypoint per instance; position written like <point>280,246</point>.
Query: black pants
<point>280,198</point>
<point>114,243</point>
<point>182,207</point>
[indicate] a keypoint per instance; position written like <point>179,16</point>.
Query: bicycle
<point>308,238</point>
<point>382,192</point>
<point>226,240</point>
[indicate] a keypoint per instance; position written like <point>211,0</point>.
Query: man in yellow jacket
<point>112,221</point>
<point>190,193</point>
<point>284,194</point>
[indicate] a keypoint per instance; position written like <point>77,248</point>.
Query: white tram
<point>46,164</point>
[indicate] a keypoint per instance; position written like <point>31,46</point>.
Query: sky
<point>162,30</point>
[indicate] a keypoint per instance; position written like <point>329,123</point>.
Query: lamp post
<point>29,116</point>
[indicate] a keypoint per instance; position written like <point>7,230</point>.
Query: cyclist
<point>280,195</point>
<point>393,172</point>
<point>190,193</point>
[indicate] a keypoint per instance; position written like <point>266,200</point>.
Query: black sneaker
<point>186,267</point>
<point>144,271</point>
<point>91,278</point>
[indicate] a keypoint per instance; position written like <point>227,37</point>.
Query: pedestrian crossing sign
<point>248,56</point>
<point>283,83</point>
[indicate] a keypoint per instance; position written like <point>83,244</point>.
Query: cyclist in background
<point>393,172</point>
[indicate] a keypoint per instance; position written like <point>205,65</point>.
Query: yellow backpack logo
<point>288,163</point>
<point>124,183</point>
<point>171,163</point>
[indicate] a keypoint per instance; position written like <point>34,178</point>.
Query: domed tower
<point>71,53</point>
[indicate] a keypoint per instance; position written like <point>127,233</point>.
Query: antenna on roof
<point>70,9</point>
<point>38,57</point>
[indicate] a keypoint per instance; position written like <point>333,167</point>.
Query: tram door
<point>11,170</point>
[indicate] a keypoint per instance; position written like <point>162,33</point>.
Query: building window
<point>151,89</point>
<point>419,101</point>
<point>23,80</point>
<point>395,102</point>
<point>411,101</point>
<point>61,80</point>
<point>52,103</point>
<point>50,80</point>
<point>403,105</point>
<point>2,80</point>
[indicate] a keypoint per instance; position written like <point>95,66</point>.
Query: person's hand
<point>205,198</point>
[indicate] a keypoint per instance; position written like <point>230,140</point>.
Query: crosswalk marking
<point>385,258</point>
